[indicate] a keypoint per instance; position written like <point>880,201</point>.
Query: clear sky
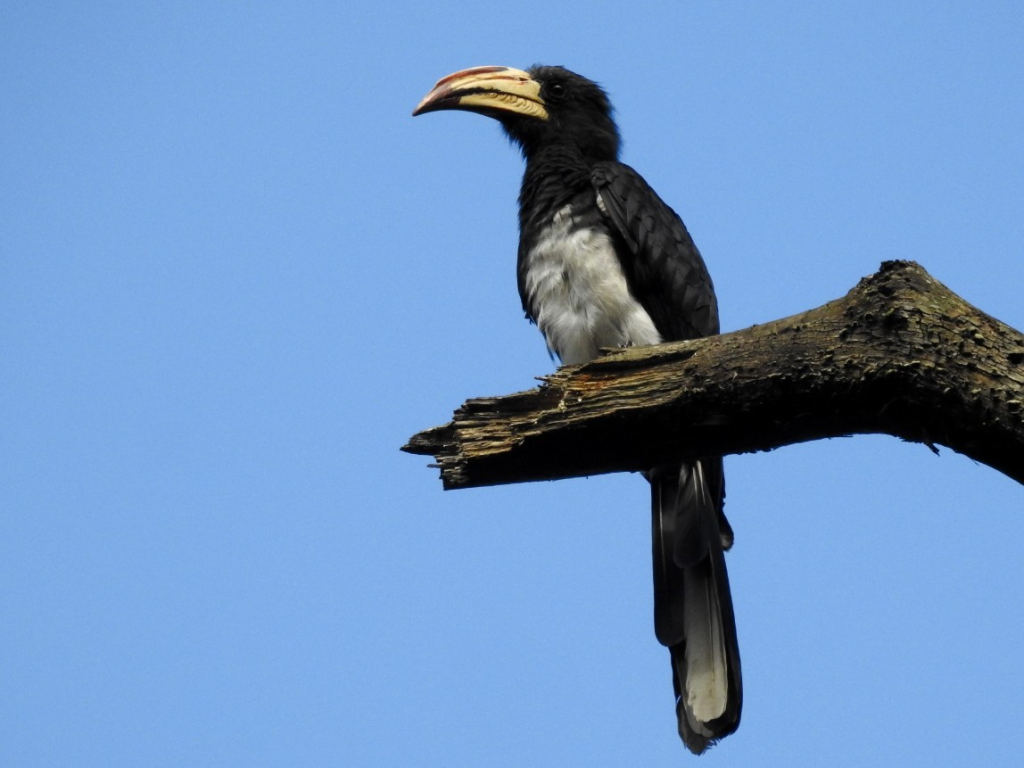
<point>236,275</point>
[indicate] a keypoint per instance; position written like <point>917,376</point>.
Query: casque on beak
<point>489,91</point>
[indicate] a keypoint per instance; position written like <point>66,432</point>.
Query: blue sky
<point>236,275</point>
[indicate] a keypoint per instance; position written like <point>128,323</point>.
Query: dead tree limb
<point>900,354</point>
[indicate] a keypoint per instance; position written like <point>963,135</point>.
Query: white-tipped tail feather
<point>707,688</point>
<point>693,609</point>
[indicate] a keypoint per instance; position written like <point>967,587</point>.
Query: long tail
<point>692,604</point>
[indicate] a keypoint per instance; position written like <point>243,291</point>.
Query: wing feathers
<point>665,270</point>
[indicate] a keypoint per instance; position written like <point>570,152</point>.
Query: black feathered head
<point>539,108</point>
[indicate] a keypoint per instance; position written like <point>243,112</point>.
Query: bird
<point>604,262</point>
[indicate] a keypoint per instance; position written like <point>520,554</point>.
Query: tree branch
<point>900,354</point>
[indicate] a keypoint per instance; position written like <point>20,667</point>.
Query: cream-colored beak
<point>487,90</point>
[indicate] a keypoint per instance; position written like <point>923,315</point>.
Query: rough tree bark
<point>900,354</point>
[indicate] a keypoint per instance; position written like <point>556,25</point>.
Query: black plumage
<point>578,206</point>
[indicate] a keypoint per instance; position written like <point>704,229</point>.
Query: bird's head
<point>540,107</point>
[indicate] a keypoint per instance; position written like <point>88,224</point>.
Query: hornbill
<point>604,262</point>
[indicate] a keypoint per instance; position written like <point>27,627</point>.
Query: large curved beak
<point>490,91</point>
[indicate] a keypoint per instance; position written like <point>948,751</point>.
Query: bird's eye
<point>556,90</point>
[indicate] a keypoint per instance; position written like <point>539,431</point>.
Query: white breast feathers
<point>578,294</point>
